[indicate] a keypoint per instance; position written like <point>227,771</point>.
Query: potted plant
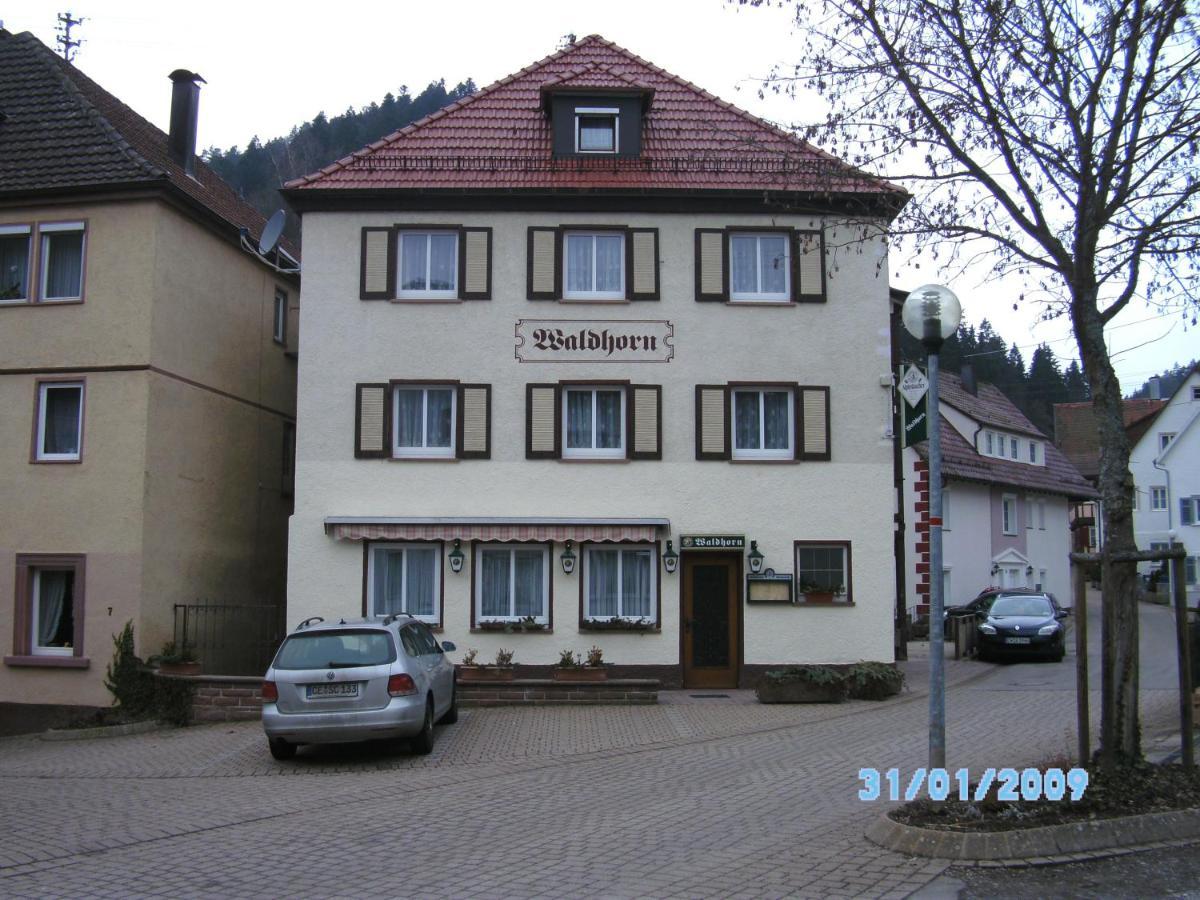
<point>567,666</point>
<point>571,668</point>
<point>178,659</point>
<point>803,684</point>
<point>815,593</point>
<point>501,670</point>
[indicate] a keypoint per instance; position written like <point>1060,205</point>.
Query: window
<point>988,442</point>
<point>59,435</point>
<point>824,567</point>
<point>1008,512</point>
<point>596,130</point>
<point>404,578</point>
<point>1041,513</point>
<point>594,266</point>
<point>279,328</point>
<point>1158,498</point>
<point>762,424</point>
<point>14,263</point>
<point>1013,448</point>
<point>1040,585</point>
<point>1029,512</point>
<point>1189,511</point>
<point>1196,393</point>
<point>1164,440</point>
<point>593,422</point>
<point>1033,451</point>
<point>423,421</point>
<point>946,493</point>
<point>512,582</point>
<point>759,267</point>
<point>1190,565</point>
<point>62,261</point>
<point>49,611</point>
<point>428,262</point>
<point>621,581</point>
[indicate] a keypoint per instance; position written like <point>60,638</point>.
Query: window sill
<point>416,300</point>
<point>623,628</point>
<point>833,604</point>
<point>498,628</point>
<point>48,662</point>
<point>774,462</point>
<point>584,301</point>
<point>55,462</point>
<point>761,303</point>
<point>594,459</point>
<point>424,459</point>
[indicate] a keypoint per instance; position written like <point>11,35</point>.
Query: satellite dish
<point>271,232</point>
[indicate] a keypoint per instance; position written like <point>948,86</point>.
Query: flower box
<point>179,668</point>
<point>803,684</point>
<point>581,673</point>
<point>631,625</point>
<point>485,673</point>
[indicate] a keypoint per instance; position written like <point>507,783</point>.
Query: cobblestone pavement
<point>691,798</point>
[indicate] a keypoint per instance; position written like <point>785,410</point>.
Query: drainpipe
<point>1170,527</point>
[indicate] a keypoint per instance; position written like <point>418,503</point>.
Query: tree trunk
<point>1120,729</point>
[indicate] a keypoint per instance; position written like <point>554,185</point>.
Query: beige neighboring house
<point>147,382</point>
<point>580,351</point>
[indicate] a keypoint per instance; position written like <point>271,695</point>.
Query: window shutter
<point>712,421</point>
<point>644,428</point>
<point>475,264</point>
<point>641,253</point>
<point>710,265</point>
<point>812,423</point>
<point>543,434</point>
<point>1186,515</point>
<point>372,419</point>
<point>545,250</point>
<point>377,264</point>
<point>808,266</point>
<point>474,421</point>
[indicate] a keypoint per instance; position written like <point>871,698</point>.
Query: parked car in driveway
<point>982,603</point>
<point>357,680</point>
<point>1022,625</point>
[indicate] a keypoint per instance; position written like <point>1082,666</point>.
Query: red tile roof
<point>1075,430</point>
<point>500,138</point>
<point>988,405</point>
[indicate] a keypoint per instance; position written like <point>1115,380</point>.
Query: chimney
<point>185,112</point>
<point>966,375</point>
<point>1155,385</point>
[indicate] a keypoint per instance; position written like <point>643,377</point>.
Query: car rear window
<point>1022,606</point>
<point>336,650</point>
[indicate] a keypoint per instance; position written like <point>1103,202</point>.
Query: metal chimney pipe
<point>185,113</point>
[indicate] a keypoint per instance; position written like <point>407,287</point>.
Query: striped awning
<point>359,528</point>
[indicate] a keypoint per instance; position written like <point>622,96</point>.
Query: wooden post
<point>1186,723</point>
<point>1082,711</point>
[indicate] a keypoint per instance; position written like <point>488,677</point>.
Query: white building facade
<point>1165,464</point>
<point>559,386</point>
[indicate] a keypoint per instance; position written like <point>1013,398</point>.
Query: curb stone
<point>1033,846</point>
<point>100,731</point>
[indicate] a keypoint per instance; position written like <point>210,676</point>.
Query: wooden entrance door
<point>710,621</point>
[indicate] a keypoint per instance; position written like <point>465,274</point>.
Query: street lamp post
<point>931,314</point>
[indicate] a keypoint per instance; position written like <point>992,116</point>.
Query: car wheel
<point>423,742</point>
<point>451,715</point>
<point>281,749</point>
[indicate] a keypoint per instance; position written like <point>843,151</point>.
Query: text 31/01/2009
<point>1011,784</point>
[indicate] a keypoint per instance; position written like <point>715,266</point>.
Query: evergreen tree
<point>1044,387</point>
<point>1076,385</point>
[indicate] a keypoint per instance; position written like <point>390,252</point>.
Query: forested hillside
<point>1168,382</point>
<point>259,170</point>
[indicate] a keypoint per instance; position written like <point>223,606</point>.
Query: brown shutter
<point>377,264</point>
<point>474,421</point>
<point>808,266</point>
<point>643,432</point>
<point>475,264</point>
<point>712,421</point>
<point>544,264</point>
<point>543,421</point>
<point>711,263</point>
<point>641,257</point>
<point>812,423</point>
<point>372,421</point>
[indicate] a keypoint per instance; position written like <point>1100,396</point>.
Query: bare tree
<point>1058,140</point>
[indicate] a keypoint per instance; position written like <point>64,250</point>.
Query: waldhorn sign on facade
<point>594,340</point>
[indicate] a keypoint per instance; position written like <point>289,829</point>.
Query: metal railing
<point>230,639</point>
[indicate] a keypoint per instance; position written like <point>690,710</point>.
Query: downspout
<point>1170,527</point>
<point>900,629</point>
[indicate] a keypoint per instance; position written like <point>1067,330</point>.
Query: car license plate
<point>1016,640</point>
<point>340,689</point>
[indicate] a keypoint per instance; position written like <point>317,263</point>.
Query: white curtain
<point>579,262</point>
<point>62,420</point>
<point>528,600</point>
<point>438,424</point>
<point>412,262</point>
<point>773,264</point>
<point>389,584</point>
<point>602,582</point>
<point>52,601</point>
<point>14,266</point>
<point>636,570</point>
<point>608,419</point>
<point>64,266</point>
<point>743,264</point>
<point>745,417</point>
<point>775,419</point>
<point>408,418</point>
<point>579,419</point>
<point>494,584</point>
<point>609,250</point>
<point>419,578</point>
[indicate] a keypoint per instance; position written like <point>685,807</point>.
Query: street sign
<point>914,418</point>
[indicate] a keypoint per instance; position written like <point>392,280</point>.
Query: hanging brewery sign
<point>712,542</point>
<point>594,340</point>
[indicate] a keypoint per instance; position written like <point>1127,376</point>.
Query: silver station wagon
<point>358,680</point>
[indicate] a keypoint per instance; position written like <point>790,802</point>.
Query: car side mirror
<point>1062,614</point>
<point>448,647</point>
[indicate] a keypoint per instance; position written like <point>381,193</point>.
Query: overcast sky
<point>270,66</point>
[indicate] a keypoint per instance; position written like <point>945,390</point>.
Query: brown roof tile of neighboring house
<point>500,138</point>
<point>62,132</point>
<point>1075,430</point>
<point>991,407</point>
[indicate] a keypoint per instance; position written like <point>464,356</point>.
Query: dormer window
<point>596,129</point>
